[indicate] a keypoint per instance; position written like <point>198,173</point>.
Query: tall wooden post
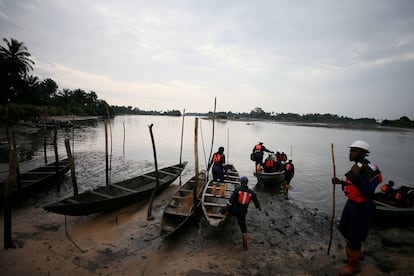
<point>72,166</point>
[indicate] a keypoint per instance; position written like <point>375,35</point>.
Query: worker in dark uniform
<point>237,206</point>
<point>289,172</point>
<point>258,152</point>
<point>218,161</point>
<point>359,187</point>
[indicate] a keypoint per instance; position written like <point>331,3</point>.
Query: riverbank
<point>283,240</point>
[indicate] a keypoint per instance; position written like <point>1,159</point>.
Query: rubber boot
<point>223,190</point>
<point>352,266</point>
<point>244,238</point>
<point>214,190</point>
<point>361,255</point>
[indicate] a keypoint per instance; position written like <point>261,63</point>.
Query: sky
<point>352,58</point>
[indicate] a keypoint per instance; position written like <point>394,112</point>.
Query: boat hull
<point>117,195</point>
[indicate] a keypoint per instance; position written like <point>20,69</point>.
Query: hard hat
<point>290,158</point>
<point>244,179</point>
<point>260,142</point>
<point>361,145</point>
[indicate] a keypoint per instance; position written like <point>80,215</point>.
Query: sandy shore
<point>283,240</point>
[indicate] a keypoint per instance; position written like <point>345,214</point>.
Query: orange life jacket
<point>258,147</point>
<point>288,167</point>
<point>269,163</point>
<point>351,190</point>
<point>216,158</point>
<point>244,197</point>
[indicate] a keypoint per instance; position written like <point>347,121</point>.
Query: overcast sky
<point>351,58</point>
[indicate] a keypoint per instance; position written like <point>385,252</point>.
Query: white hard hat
<point>290,158</point>
<point>360,144</point>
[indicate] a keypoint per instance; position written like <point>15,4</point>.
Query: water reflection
<point>392,151</point>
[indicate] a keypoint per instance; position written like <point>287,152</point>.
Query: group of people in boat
<point>401,197</point>
<point>275,162</point>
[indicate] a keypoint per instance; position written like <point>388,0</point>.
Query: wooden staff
<point>72,167</point>
<point>157,183</point>
<point>181,146</point>
<point>333,197</point>
<point>55,147</point>
<point>196,160</point>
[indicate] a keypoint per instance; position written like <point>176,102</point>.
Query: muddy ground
<point>283,240</point>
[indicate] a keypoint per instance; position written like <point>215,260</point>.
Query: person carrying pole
<point>359,187</point>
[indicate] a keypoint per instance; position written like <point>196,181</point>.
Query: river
<point>310,146</point>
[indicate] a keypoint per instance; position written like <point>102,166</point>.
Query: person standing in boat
<point>237,206</point>
<point>359,187</point>
<point>258,152</point>
<point>218,161</point>
<point>289,172</point>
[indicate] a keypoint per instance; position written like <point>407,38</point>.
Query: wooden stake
<point>196,161</point>
<point>72,167</point>
<point>157,183</point>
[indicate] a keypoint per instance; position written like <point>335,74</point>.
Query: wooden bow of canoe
<point>211,204</point>
<point>182,206</point>
<point>38,179</point>
<point>117,195</point>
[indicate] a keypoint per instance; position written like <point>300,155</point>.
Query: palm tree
<point>15,63</point>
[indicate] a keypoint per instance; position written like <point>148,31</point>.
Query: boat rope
<point>67,235</point>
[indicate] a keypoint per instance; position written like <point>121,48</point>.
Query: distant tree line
<point>24,96</point>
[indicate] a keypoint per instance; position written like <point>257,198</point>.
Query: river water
<point>310,146</point>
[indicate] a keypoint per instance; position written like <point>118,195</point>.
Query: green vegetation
<point>24,96</point>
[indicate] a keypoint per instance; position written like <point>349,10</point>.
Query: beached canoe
<point>273,179</point>
<point>182,205</point>
<point>211,204</point>
<point>36,180</point>
<point>117,195</point>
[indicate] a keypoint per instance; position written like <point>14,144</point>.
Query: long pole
<point>106,154</point>
<point>212,137</point>
<point>157,183</point>
<point>196,161</point>
<point>181,146</point>
<point>333,198</point>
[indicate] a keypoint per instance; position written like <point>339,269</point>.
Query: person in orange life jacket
<point>237,206</point>
<point>258,151</point>
<point>359,187</point>
<point>219,168</point>
<point>289,172</point>
<point>269,164</point>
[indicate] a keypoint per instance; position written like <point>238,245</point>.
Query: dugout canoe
<point>182,205</point>
<point>117,195</point>
<point>273,179</point>
<point>211,204</point>
<point>36,180</point>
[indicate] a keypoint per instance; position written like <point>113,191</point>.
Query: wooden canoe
<point>211,204</point>
<point>273,179</point>
<point>182,206</point>
<point>117,195</point>
<point>36,180</point>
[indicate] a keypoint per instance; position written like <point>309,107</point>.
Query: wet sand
<point>283,240</point>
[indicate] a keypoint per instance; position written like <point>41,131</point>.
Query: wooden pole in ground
<point>8,194</point>
<point>181,146</point>
<point>106,154</point>
<point>44,139</point>
<point>196,161</point>
<point>333,197</point>
<point>123,142</point>
<point>56,158</point>
<point>157,182</point>
<point>212,138</point>
<point>72,167</point>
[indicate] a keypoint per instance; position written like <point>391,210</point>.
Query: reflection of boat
<point>37,179</point>
<point>211,204</point>
<point>117,195</point>
<point>182,206</point>
<point>388,210</point>
<point>270,179</point>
